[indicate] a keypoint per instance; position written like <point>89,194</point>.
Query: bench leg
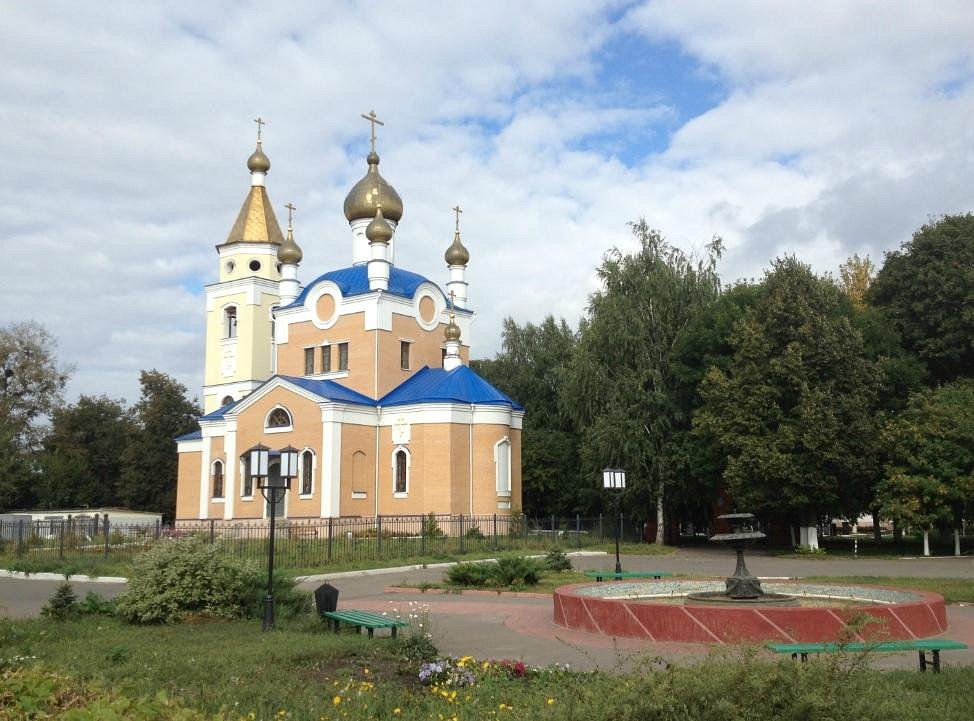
<point>923,660</point>
<point>936,660</point>
<point>370,632</point>
<point>394,629</point>
<point>804,658</point>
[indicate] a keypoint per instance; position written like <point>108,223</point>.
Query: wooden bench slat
<point>364,618</point>
<point>920,644</point>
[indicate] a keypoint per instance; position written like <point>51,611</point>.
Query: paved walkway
<point>520,627</point>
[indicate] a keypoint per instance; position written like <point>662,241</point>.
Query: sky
<point>816,129</point>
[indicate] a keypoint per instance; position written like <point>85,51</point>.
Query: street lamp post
<point>273,490</point>
<point>614,479</point>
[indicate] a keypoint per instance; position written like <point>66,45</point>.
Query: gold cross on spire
<point>290,212</point>
<point>373,120</point>
<point>259,122</point>
<point>457,211</point>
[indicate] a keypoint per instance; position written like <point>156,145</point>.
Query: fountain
<point>739,608</point>
<point>742,587</point>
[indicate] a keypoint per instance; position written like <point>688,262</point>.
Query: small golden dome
<point>452,331</point>
<point>457,254</point>
<point>371,192</point>
<point>289,251</point>
<point>378,231</point>
<point>258,162</point>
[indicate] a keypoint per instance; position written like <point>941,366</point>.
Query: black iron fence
<point>315,542</point>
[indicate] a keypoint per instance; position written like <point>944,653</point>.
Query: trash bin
<point>326,598</point>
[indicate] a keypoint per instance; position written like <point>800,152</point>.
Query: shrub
<point>556,560</point>
<point>470,574</point>
<point>63,605</point>
<point>515,571</point>
<point>97,605</point>
<point>178,578</point>
<point>431,527</point>
<point>474,533</point>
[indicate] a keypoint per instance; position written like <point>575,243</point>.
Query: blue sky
<point>821,129</point>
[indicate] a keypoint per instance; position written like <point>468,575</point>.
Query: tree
<point>31,387</point>
<point>796,404</point>
<point>82,460</point>
<point>529,368</point>
<point>621,387</point>
<point>926,289</point>
<point>930,478</point>
<point>149,459</point>
<point>857,275</point>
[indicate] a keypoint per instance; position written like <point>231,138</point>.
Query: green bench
<point>618,576</point>
<point>362,619</point>
<point>920,645</point>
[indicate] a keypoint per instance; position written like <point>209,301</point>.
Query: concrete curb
<point>80,578</point>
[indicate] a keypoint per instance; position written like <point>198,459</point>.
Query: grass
<point>299,673</point>
<point>954,590</point>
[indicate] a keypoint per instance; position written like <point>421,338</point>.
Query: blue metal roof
<point>460,385</point>
<point>355,281</point>
<point>219,412</point>
<point>330,389</point>
<point>194,436</point>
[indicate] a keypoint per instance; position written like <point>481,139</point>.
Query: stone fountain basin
<point>653,611</point>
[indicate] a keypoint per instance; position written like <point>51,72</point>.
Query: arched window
<point>230,321</point>
<point>502,464</point>
<point>227,400</point>
<point>247,486</point>
<point>400,472</point>
<point>218,479</point>
<point>278,418</point>
<point>307,473</point>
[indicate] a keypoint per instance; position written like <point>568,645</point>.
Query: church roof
<point>355,281</point>
<point>460,385</point>
<point>256,222</point>
<point>194,436</point>
<point>330,390</point>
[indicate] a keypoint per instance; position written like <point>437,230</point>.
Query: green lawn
<point>954,590</point>
<point>304,674</point>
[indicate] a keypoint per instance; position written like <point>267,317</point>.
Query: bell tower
<point>239,352</point>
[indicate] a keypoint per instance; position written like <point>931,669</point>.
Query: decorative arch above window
<point>217,474</point>
<point>279,419</point>
<point>502,466</point>
<point>230,321</point>
<point>227,400</point>
<point>400,471</point>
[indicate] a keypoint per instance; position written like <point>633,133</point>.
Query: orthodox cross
<point>458,211</point>
<point>373,120</point>
<point>259,124</point>
<point>290,211</point>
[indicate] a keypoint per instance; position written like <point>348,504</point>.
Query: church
<point>363,370</point>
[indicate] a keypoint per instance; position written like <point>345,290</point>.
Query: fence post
<point>578,531</point>
<point>107,528</point>
<point>20,538</point>
<point>212,531</point>
<point>462,549</point>
<point>158,529</point>
<point>495,531</point>
<point>422,535</point>
<point>378,536</point>
<point>330,522</point>
<point>60,549</point>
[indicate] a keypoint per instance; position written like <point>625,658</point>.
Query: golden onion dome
<point>457,254</point>
<point>371,192</point>
<point>258,162</point>
<point>289,251</point>
<point>378,231</point>
<point>452,332</point>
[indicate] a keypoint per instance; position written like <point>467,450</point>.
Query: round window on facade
<point>255,265</point>
<point>230,265</point>
<point>279,266</point>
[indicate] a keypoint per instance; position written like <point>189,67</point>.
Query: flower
<point>551,701</point>
<point>396,711</point>
<point>337,700</point>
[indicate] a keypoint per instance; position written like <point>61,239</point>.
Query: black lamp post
<point>273,490</point>
<point>614,479</point>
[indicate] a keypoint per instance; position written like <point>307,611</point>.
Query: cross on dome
<point>260,122</point>
<point>373,121</point>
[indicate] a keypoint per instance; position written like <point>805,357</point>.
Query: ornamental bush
<point>470,574</point>
<point>516,571</point>
<point>176,579</point>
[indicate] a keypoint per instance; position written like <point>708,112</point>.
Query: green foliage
<point>516,571</point>
<point>416,648</point>
<point>431,527</point>
<point>794,409</point>
<point>97,605</point>
<point>470,574</point>
<point>557,560</point>
<point>930,477</point>
<point>926,290</point>
<point>179,578</point>
<point>149,462</point>
<point>63,605</point>
<point>474,533</point>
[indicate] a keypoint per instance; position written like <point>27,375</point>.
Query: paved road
<point>495,626</point>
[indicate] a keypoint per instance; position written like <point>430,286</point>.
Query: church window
<point>404,354</point>
<point>218,479</point>
<point>279,266</point>
<point>254,265</point>
<point>230,265</point>
<point>502,462</point>
<point>227,400</point>
<point>247,487</point>
<point>307,473</point>
<point>442,357</point>
<point>230,322</point>
<point>309,361</point>
<point>400,469</point>
<point>326,359</point>
<point>278,418</point>
<point>343,356</point>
